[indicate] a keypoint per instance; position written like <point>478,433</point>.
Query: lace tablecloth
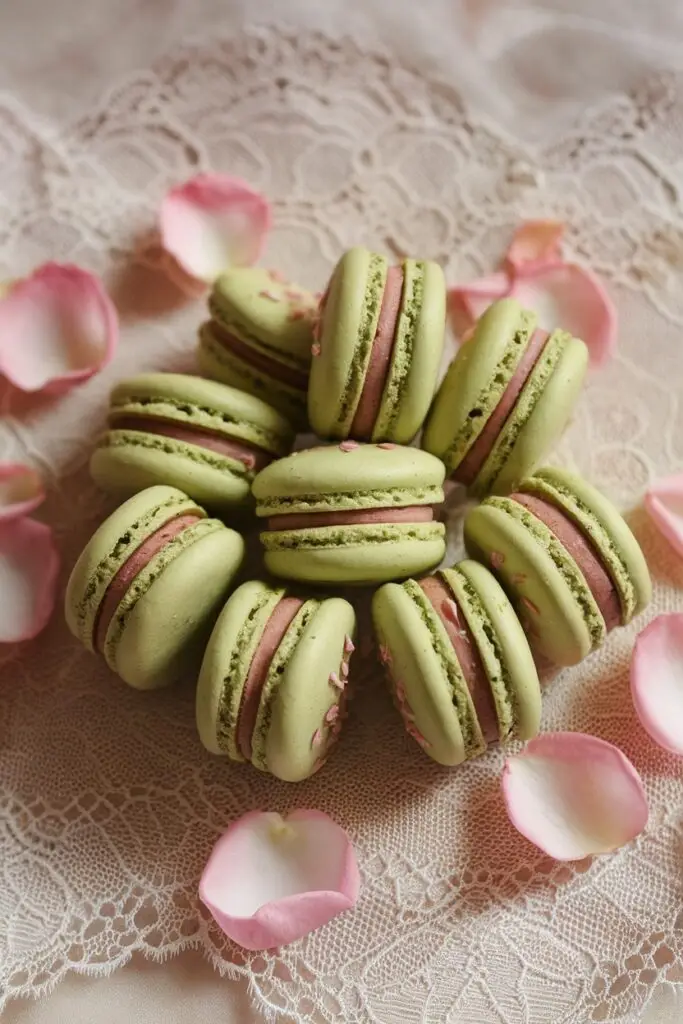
<point>434,137</point>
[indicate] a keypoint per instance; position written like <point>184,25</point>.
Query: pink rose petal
<point>536,241</point>
<point>270,880</point>
<point>213,222</point>
<point>57,328</point>
<point>563,294</point>
<point>574,795</point>
<point>21,490</point>
<point>657,680</point>
<point>29,564</point>
<point>664,502</point>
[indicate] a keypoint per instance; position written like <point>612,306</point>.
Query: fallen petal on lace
<point>21,490</point>
<point>536,241</point>
<point>574,795</point>
<point>57,328</point>
<point>270,880</point>
<point>571,297</point>
<point>213,222</point>
<point>29,564</point>
<point>657,680</point>
<point>564,295</point>
<point>664,503</point>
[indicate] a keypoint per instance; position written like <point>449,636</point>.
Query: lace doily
<point>108,804</point>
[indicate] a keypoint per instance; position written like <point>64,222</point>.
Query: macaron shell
<point>417,666</point>
<point>292,735</point>
<point>167,628</point>
<point>354,555</point>
<point>226,662</point>
<point>258,307</point>
<point>216,362</point>
<point>127,461</point>
<point>605,527</point>
<point>476,380</point>
<point>348,326</point>
<point>205,404</point>
<point>417,353</point>
<point>367,476</point>
<point>501,639</point>
<point>563,618</point>
<point>111,545</point>
<point>539,417</point>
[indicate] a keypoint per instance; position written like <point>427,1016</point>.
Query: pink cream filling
<point>259,360</point>
<point>133,565</point>
<point>380,357</point>
<point>482,447</point>
<point>583,553</point>
<point>252,457</point>
<point>443,601</point>
<point>271,638</point>
<point>352,517</point>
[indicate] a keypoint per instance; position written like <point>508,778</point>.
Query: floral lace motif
<point>108,805</point>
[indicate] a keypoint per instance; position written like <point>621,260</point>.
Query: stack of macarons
<point>552,565</point>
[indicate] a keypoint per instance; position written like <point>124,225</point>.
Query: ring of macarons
<point>158,591</point>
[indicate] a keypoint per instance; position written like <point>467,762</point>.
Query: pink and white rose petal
<point>58,327</point>
<point>271,880</point>
<point>213,222</point>
<point>574,795</point>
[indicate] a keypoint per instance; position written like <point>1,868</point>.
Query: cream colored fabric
<point>435,132</point>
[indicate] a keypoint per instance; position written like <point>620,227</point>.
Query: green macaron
<point>259,338</point>
<point>505,400</point>
<point>205,438</point>
<point>378,348</point>
<point>459,664</point>
<point>351,514</point>
<point>568,561</point>
<point>273,683</point>
<point>148,586</point>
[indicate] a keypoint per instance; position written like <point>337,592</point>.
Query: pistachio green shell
<point>421,660</point>
<point>545,585</point>
<point>292,736</point>
<point>355,555</point>
<point>206,404</point>
<point>164,618</point>
<point>126,461</point>
<point>257,308</point>
<point>476,380</point>
<point>595,515</point>
<point>475,383</point>
<point>417,352</point>
<point>111,545</point>
<point>250,302</point>
<point>348,328</point>
<point>330,479</point>
<point>539,417</point>
<point>226,661</point>
<point>217,362</point>
<point>165,631</point>
<point>503,647</point>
